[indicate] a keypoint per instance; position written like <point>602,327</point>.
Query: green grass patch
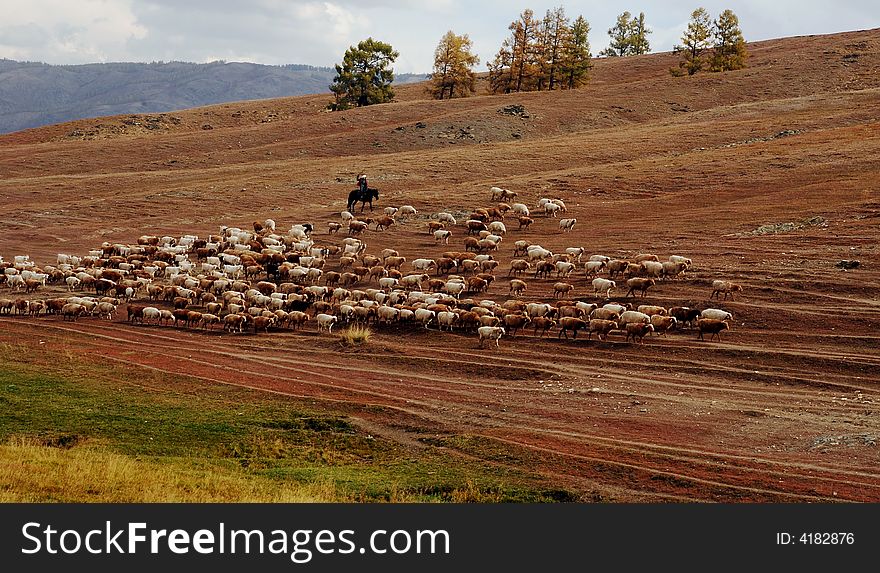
<point>64,416</point>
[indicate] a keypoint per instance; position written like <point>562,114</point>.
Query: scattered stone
<point>848,264</point>
<point>515,110</point>
<point>420,125</point>
<point>207,126</point>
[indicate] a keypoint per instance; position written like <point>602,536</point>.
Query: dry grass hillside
<point>713,167</point>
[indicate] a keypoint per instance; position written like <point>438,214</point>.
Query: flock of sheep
<point>243,279</point>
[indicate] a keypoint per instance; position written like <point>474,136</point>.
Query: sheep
<point>297,318</point>
<point>662,324</point>
<point>518,266</point>
<point>497,192</point>
<point>538,253</point>
<point>601,327</point>
<point>387,283</point>
<point>633,316</point>
<point>105,310</point>
<point>716,314</point>
<point>593,268</point>
<point>447,319</point>
<point>384,222</point>
<point>150,313</point>
<point>394,262</point>
<point>679,259</point>
<point>645,257</point>
<point>407,210</point>
<point>684,315</point>
<point>446,218</point>
<point>615,266</point>
<point>413,281</point>
<point>562,289</point>
<point>712,326</point>
<point>638,331</point>
<point>72,311</point>
<point>563,269</point>
<point>534,309</point>
<point>520,209</point>
<point>573,324</point>
<point>496,227</point>
<point>514,322</point>
<point>603,285</point>
<point>423,264</point>
<point>517,287</point>
<point>325,322</point>
<point>672,269</point>
<point>390,211</point>
<point>474,226</point>
<point>490,333</point>
<point>520,248</point>
<point>425,316</point>
<point>357,227</point>
<point>639,284</point>
<point>726,287</point>
<point>652,269</point>
<point>524,222</point>
<point>651,310</point>
<point>551,209</point>
<point>566,225</point>
<point>234,322</point>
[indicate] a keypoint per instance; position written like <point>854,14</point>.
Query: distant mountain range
<point>34,94</point>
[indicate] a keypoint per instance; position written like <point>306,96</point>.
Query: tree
<point>620,36</point>
<point>694,42</point>
<point>730,46</point>
<point>638,36</point>
<point>555,35</point>
<point>364,78</point>
<point>629,36</point>
<point>575,63</point>
<point>453,67</point>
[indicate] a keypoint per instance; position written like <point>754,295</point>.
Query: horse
<point>363,196</point>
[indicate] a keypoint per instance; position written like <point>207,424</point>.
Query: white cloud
<point>59,31</point>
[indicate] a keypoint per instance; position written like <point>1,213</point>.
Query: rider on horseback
<point>362,182</point>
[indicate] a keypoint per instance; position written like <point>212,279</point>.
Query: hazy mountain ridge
<point>34,94</point>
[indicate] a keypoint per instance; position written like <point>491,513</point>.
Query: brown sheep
<point>515,321</point>
<point>684,315</point>
<point>616,266</point>
<point>562,289</point>
<point>435,226</point>
<point>524,222</point>
<point>384,222</point>
<point>712,326</point>
<point>638,330</point>
<point>356,227</point>
<point>544,324</point>
<point>645,257</point>
<point>726,287</point>
<point>639,284</point>
<point>474,226</point>
<point>471,244</point>
<point>518,266</point>
<point>573,324</point>
<point>476,284</point>
<point>662,324</point>
<point>517,287</point>
<point>601,327</point>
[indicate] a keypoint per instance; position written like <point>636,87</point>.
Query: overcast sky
<point>318,33</point>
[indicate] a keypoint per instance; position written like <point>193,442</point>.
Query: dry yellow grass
<point>355,336</point>
<point>30,472</point>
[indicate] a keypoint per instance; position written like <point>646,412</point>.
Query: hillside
<point>765,176</point>
<point>34,94</point>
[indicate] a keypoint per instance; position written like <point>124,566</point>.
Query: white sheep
<point>716,313</point>
<point>603,285</point>
<point>406,210</point>
<point>551,209</point>
<point>520,209</point>
<point>497,227</point>
<point>442,235</point>
<point>566,225</point>
<point>446,218</point>
<point>490,333</point>
<point>326,322</point>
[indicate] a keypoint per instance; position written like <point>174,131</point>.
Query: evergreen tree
<point>694,42</point>
<point>575,63</point>
<point>620,37</point>
<point>453,67</point>
<point>730,46</point>
<point>638,36</point>
<point>364,78</point>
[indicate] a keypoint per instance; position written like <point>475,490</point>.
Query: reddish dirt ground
<point>783,408</point>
